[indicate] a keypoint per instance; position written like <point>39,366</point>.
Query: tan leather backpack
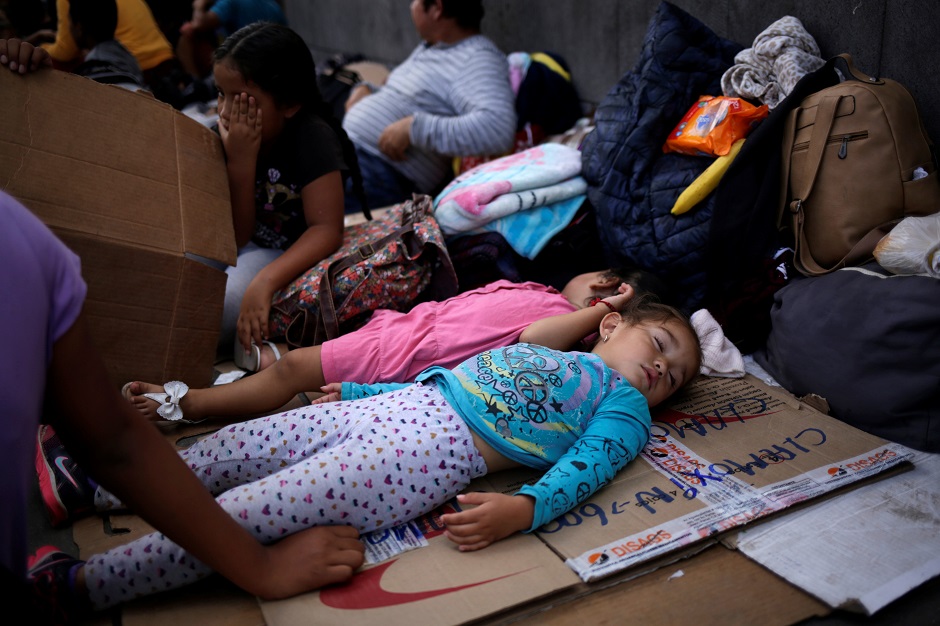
<point>856,160</point>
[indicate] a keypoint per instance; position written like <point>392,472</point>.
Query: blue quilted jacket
<point>632,184</point>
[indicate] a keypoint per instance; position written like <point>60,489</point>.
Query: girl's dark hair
<point>643,281</point>
<point>98,18</point>
<point>277,59</point>
<point>646,308</point>
<point>467,13</point>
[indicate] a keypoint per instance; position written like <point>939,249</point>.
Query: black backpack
<point>335,82</point>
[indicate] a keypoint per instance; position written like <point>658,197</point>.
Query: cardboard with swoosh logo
<point>433,585</point>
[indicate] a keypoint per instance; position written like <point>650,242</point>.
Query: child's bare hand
<point>333,393</point>
<point>495,516</point>
<point>22,57</point>
<point>241,132</point>
<point>625,293</point>
<point>252,322</point>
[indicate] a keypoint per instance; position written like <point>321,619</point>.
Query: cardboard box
<point>133,187</point>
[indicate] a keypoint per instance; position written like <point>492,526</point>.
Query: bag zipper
<point>796,204</point>
<point>843,139</point>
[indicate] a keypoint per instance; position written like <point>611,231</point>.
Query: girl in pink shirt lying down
<point>391,346</point>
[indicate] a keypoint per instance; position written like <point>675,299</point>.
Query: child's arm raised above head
<point>564,332</point>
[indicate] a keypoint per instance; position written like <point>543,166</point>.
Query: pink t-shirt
<point>396,347</point>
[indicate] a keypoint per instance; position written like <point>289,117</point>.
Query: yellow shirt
<point>136,30</point>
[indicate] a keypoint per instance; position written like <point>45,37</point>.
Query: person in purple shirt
<point>51,374</point>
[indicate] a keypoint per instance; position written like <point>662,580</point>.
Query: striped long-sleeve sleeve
<point>461,101</point>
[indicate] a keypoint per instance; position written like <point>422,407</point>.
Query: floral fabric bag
<point>392,262</point>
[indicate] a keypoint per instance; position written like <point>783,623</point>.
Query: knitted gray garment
<point>779,57</point>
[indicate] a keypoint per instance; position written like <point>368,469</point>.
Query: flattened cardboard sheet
<point>862,550</point>
<point>716,586</point>
<point>724,454</point>
<point>434,584</point>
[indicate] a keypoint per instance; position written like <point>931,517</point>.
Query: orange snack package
<point>712,126</point>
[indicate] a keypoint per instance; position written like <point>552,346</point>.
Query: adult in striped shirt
<point>451,97</point>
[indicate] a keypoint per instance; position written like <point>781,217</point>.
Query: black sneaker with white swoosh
<point>66,490</point>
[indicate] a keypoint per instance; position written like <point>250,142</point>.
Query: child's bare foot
<point>134,392</point>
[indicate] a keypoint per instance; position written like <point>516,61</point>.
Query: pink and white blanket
<point>527,197</point>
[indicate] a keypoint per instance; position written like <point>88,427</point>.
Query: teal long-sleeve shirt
<point>565,412</point>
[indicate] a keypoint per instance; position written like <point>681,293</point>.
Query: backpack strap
<point>329,323</point>
<point>825,115</point>
<point>846,60</point>
<point>859,251</point>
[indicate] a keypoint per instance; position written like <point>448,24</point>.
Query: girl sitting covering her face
<point>287,159</point>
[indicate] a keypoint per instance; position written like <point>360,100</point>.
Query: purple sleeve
<point>43,293</point>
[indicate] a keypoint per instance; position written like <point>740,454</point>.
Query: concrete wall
<point>601,39</point>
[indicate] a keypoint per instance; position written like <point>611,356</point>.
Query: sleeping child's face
<point>657,358</point>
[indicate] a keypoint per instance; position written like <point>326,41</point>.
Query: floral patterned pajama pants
<point>370,463</point>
